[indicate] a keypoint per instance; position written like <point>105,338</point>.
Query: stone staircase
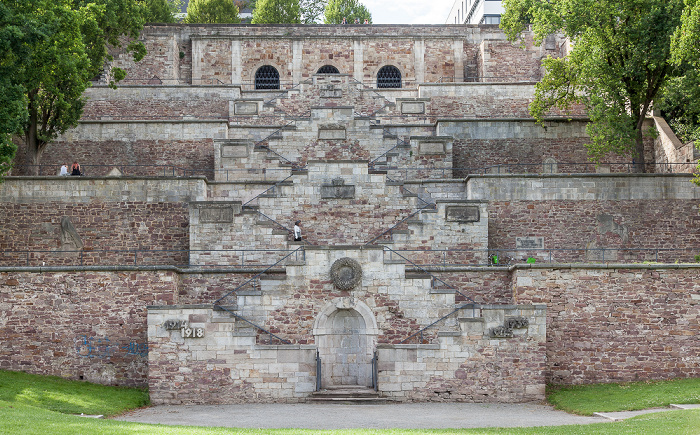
<point>347,395</point>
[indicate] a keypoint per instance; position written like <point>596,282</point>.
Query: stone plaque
<point>529,242</point>
<point>245,108</point>
<point>469,213</point>
<point>346,273</point>
<point>234,151</point>
<point>331,92</point>
<point>337,190</point>
<point>431,148</point>
<point>332,134</point>
<point>209,214</point>
<point>409,107</point>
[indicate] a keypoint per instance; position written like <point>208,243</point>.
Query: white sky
<point>408,11</point>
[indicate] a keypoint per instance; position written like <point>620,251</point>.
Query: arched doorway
<point>346,336</point>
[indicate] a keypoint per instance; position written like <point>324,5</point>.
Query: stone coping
<point>512,307</point>
<point>586,175</point>
<point>181,307</point>
<point>180,270</point>
<point>532,120</point>
<point>344,248</point>
<point>106,177</point>
<point>155,121</point>
<point>409,346</point>
<point>285,347</point>
<point>462,201</point>
<point>282,270</point>
<point>431,138</point>
<point>324,161</point>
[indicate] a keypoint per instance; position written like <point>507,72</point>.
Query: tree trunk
<point>33,146</point>
<point>640,163</point>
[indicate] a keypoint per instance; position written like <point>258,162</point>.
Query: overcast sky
<point>409,11</point>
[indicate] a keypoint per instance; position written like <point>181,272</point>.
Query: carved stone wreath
<point>346,273</point>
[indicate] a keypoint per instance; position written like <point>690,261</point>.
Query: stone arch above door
<point>322,327</point>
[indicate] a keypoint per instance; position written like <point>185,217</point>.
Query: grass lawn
<point>68,397</point>
<point>587,399</point>
<point>41,405</point>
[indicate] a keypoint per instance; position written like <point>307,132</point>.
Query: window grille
<point>328,69</point>
<point>389,77</point>
<point>267,77</point>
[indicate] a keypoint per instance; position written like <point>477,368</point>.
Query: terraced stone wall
<point>617,325</point>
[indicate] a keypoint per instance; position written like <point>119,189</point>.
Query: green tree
<point>161,11</point>
<point>351,10</point>
<point>312,10</point>
<point>64,45</point>
<point>686,41</point>
<point>212,11</point>
<point>277,12</point>
<point>619,63</point>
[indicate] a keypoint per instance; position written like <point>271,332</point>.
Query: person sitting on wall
<point>75,169</point>
<point>357,21</point>
<point>64,170</point>
<point>366,21</point>
<point>344,21</point>
<point>297,231</point>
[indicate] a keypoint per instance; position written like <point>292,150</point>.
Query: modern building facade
<point>475,12</point>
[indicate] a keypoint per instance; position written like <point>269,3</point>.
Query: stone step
<point>347,394</point>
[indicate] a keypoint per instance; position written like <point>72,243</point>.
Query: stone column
<point>459,60</point>
<point>419,59</point>
<point>236,61</point>
<point>297,58</point>
<point>359,61</point>
<point>196,59</point>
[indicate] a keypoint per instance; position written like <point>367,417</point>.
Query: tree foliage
<point>212,11</point>
<point>686,41</point>
<point>54,48</point>
<point>351,10</point>
<point>619,63</point>
<point>160,11</point>
<point>312,10</point>
<point>277,12</point>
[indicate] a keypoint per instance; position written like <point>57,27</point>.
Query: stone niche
<point>337,189</point>
<point>214,212</point>
<point>462,213</point>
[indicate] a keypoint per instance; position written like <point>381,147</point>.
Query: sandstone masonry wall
<point>617,325</point>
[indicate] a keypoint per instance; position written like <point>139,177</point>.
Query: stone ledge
<point>409,346</point>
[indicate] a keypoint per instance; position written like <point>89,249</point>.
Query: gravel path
<point>338,416</point>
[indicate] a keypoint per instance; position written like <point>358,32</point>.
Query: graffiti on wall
<point>103,348</point>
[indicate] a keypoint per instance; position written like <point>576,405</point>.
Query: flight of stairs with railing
<point>320,113</point>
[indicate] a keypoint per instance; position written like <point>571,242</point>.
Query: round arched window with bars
<point>267,77</point>
<point>328,69</point>
<point>389,77</point>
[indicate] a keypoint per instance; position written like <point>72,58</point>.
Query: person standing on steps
<point>297,231</point>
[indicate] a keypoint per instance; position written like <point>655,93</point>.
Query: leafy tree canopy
<point>312,10</point>
<point>212,11</point>
<point>351,10</point>
<point>686,43</point>
<point>277,12</point>
<point>619,63</point>
<point>51,50</point>
<point>161,11</point>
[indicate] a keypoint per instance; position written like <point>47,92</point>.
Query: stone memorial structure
<point>409,155</point>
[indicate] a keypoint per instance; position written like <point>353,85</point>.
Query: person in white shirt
<point>297,231</point>
<point>64,169</point>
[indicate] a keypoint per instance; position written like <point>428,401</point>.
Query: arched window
<point>389,77</point>
<point>267,77</point>
<point>328,69</point>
